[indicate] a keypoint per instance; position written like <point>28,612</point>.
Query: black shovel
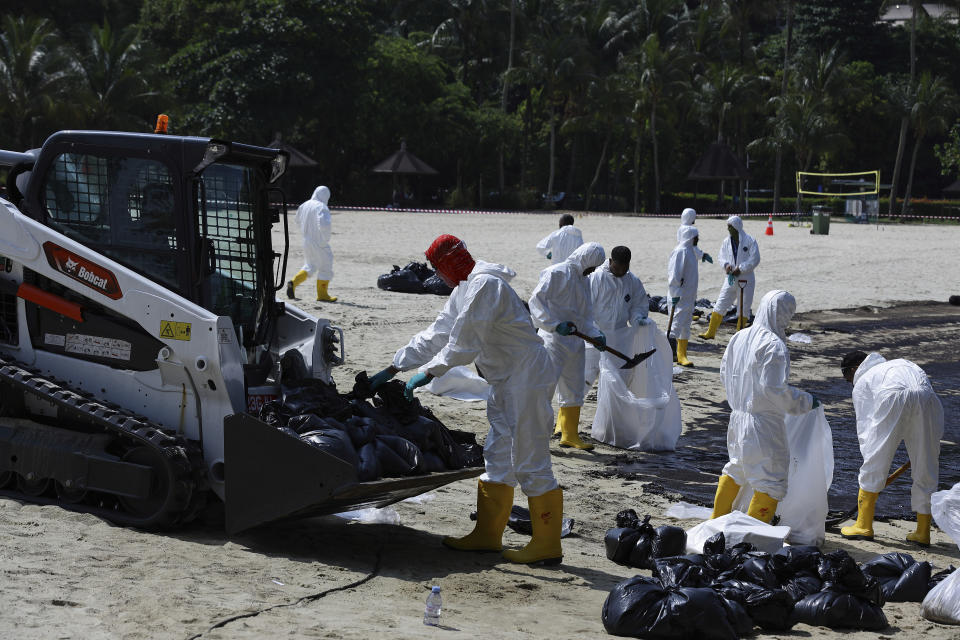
<point>834,520</point>
<point>630,362</point>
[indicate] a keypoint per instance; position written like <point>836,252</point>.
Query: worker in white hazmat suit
<point>687,219</point>
<point>313,216</point>
<point>559,303</point>
<point>754,369</point>
<point>619,299</point>
<point>894,402</point>
<point>739,256</point>
<point>682,280</point>
<point>558,246</point>
<point>485,321</point>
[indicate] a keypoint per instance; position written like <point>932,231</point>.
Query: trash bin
<point>821,220</point>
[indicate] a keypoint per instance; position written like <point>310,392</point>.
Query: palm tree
<point>784,84</point>
<point>930,114</point>
<point>33,70</point>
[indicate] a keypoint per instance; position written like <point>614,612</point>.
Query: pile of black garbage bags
<point>724,593</point>
<point>416,277</point>
<point>390,437</point>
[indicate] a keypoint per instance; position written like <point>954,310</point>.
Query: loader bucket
<point>273,476</point>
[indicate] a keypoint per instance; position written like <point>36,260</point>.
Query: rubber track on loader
<point>181,458</point>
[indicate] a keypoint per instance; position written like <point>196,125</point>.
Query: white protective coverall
<point>894,401</point>
<point>687,219</point>
<point>683,274</point>
<point>746,256</point>
<point>313,216</point>
<point>616,302</point>
<point>561,243</point>
<point>563,295</point>
<point>754,369</point>
<point>485,321</point>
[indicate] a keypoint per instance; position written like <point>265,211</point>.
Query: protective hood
<point>587,256</point>
<point>873,359</point>
<point>322,194</point>
<point>687,234</point>
<point>736,223</point>
<point>688,216</point>
<point>775,311</point>
<point>492,269</point>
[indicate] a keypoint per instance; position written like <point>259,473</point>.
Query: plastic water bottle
<point>431,613</point>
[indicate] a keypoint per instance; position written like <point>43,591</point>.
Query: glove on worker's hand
<point>601,344</point>
<point>549,255</point>
<point>642,322</point>
<point>816,402</point>
<point>674,301</point>
<point>731,279</point>
<point>707,258</point>
<point>566,328</point>
<point>377,379</point>
<point>416,381</point>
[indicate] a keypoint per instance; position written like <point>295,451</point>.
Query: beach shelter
<point>953,190</point>
<point>719,163</point>
<point>403,162</point>
<point>300,178</point>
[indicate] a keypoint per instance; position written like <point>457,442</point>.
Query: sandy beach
<point>69,575</point>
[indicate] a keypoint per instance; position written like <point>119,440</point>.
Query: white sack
<point>686,511</point>
<point>638,408</point>
<point>460,383</point>
<point>738,527</point>
<point>942,604</point>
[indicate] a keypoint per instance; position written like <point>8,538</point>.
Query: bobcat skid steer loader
<point>140,332</point>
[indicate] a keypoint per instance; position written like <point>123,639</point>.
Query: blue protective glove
<point>642,322</point>
<point>674,301</point>
<point>380,377</point>
<point>549,255</point>
<point>816,402</point>
<point>566,328</point>
<point>731,279</point>
<point>601,342</point>
<point>416,381</point>
<point>707,258</point>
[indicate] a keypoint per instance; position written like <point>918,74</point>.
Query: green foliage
<point>948,153</point>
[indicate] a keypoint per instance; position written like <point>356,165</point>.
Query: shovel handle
<point>596,343</point>
<point>902,469</point>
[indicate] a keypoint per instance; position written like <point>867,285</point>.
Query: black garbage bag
<point>799,587</point>
<point>682,571</point>
<point>519,521</point>
<point>400,280</point>
<point>619,543</point>
<point>369,465</point>
<point>317,397</point>
<point>715,544</point>
<point>390,399</point>
<point>770,609</point>
<point>757,567</point>
<point>793,561</point>
<point>335,442</point>
<point>901,578</point>
<point>641,607</point>
<point>668,541</point>
<point>940,576</point>
<point>435,285</point>
<point>840,572</point>
<point>430,462</point>
<point>363,409</point>
<point>423,432</point>
<point>839,610</point>
<point>398,456</point>
<point>361,387</point>
<point>310,422</point>
<point>363,430</point>
<point>629,518</point>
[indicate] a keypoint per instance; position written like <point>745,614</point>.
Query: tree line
<point>609,102</point>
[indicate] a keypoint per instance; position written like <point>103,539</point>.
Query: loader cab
<point>192,214</point>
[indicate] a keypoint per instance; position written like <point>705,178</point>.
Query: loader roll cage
<point>192,214</point>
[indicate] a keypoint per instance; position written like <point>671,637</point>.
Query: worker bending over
<point>739,256</point>
<point>558,246</point>
<point>754,370</point>
<point>485,321</point>
<point>683,275</point>
<point>618,298</point>
<point>687,219</point>
<point>559,304</point>
<point>893,401</point>
<point>313,216</point>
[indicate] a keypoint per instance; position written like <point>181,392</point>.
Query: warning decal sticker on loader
<point>174,330</point>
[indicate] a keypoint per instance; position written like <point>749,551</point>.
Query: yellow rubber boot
<point>322,295</point>
<point>863,529</point>
<point>682,354</point>
<point>494,501</point>
<point>762,507</point>
<point>546,516</point>
<point>922,535</point>
<point>727,491</point>
<point>297,280</point>
<point>570,429</point>
<point>741,322</point>
<point>711,332</point>
<point>556,428</point>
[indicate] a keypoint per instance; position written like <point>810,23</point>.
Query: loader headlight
<point>278,166</point>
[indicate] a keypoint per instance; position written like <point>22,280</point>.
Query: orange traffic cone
<point>769,230</point>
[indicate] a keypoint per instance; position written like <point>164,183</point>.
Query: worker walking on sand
<point>754,370</point>
<point>687,219</point>
<point>894,401</point>
<point>739,256</point>
<point>618,298</point>
<point>559,304</point>
<point>682,279</point>
<point>485,321</point>
<point>313,216</point>
<point>558,246</point>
